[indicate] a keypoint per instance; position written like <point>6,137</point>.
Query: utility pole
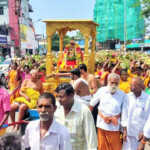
<point>19,23</point>
<point>125,24</point>
<point>18,13</point>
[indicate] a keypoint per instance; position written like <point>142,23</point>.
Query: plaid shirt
<point>80,124</point>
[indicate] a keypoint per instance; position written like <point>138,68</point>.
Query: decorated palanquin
<point>71,58</point>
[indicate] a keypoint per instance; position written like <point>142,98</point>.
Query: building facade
<point>4,12</point>
<point>119,20</point>
<point>14,14</point>
<point>5,42</point>
<point>27,34</point>
<point>22,31</point>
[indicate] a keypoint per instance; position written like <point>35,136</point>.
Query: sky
<point>60,9</point>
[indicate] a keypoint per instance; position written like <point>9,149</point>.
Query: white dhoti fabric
<point>131,143</point>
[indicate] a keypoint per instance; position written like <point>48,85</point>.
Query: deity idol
<point>72,56</point>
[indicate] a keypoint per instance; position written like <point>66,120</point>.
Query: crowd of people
<point>108,110</point>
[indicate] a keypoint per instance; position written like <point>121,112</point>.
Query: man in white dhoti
<point>138,111</point>
<point>111,112</point>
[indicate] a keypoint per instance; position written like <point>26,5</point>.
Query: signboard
<point>27,37</point>
<point>3,39</point>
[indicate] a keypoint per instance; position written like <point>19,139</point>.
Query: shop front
<point>4,46</point>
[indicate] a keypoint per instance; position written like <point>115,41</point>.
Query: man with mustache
<point>46,133</point>
<point>112,107</point>
<point>77,118</point>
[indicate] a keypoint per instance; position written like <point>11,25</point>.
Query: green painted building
<point>117,17</point>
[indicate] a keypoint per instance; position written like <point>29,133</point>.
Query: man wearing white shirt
<point>138,105</point>
<point>77,118</point>
<point>112,107</point>
<point>46,133</point>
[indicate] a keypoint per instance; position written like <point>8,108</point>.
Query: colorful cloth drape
<point>32,94</point>
<point>13,80</point>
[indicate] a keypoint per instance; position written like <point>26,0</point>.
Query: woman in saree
<point>12,76</point>
<point>29,94</point>
<point>14,82</point>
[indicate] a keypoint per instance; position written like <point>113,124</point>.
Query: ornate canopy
<point>86,27</point>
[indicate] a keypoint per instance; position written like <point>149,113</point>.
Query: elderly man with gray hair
<point>111,113</point>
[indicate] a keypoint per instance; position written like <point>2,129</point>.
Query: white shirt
<point>80,124</point>
<point>138,111</point>
<point>56,138</point>
<point>109,105</point>
<point>147,128</point>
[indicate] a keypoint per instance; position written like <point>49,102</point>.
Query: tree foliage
<point>146,8</point>
<point>55,41</point>
<point>79,35</point>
